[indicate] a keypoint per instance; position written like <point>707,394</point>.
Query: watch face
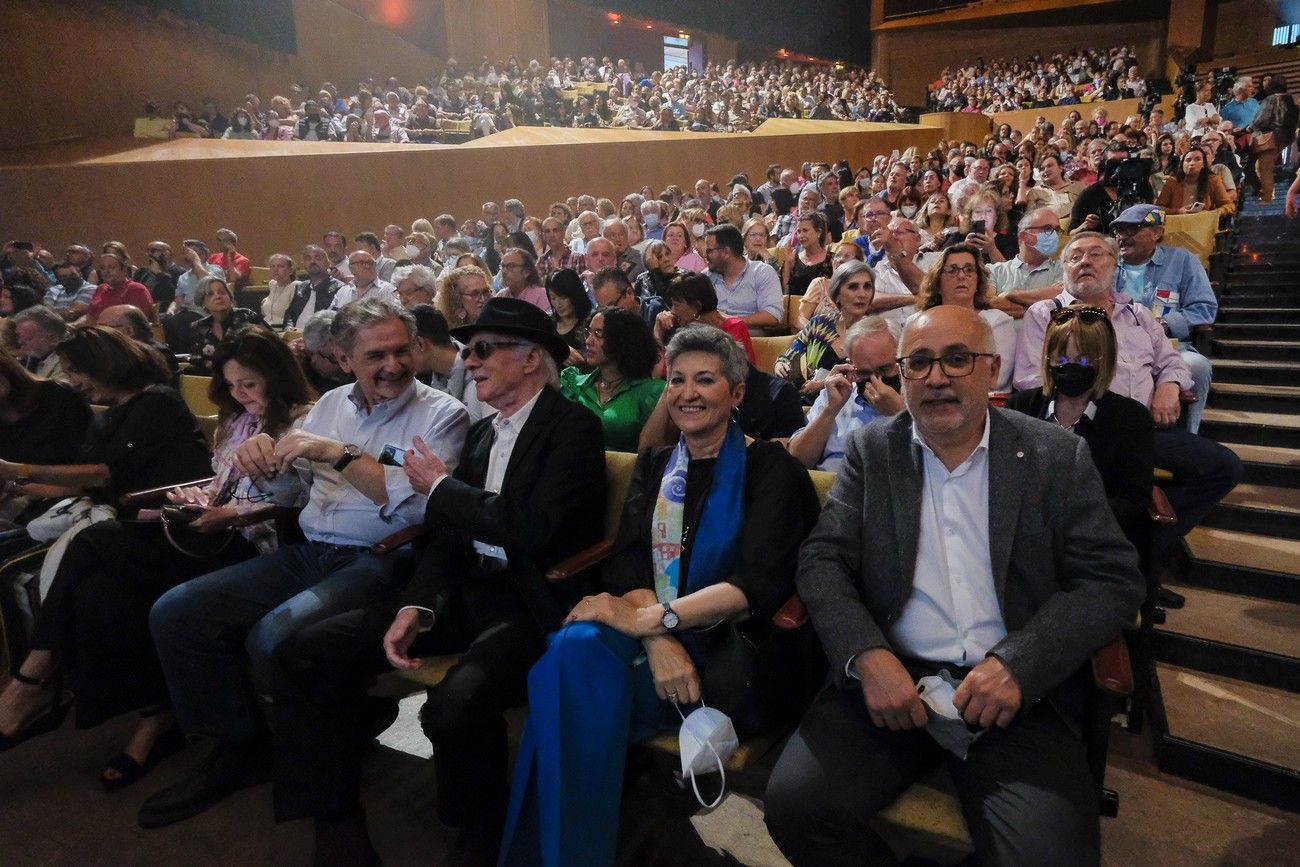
<point>670,619</point>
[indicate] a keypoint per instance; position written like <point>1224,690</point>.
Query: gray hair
<point>1241,85</point>
<point>514,206</point>
<point>362,314</point>
<point>868,325</point>
<point>201,291</point>
<point>43,318</point>
<point>422,275</point>
<point>1111,244</point>
<point>706,338</point>
<point>316,333</point>
<point>1030,218</point>
<point>842,274</point>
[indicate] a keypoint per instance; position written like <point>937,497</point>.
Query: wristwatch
<point>24,475</point>
<point>350,454</point>
<point>670,618</point>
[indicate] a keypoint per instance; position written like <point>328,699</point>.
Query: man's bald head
<point>129,320</point>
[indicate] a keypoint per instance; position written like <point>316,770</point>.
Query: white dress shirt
<point>380,290</point>
<point>953,613</point>
<point>337,512</point>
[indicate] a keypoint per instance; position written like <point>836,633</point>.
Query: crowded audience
<point>1007,84</point>
<point>466,375</point>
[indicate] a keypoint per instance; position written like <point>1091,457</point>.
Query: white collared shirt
<point>506,432</point>
<point>338,513</point>
<point>953,613</point>
<point>380,290</point>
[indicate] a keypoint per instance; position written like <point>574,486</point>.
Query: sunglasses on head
<point>482,349</point>
<point>1085,314</point>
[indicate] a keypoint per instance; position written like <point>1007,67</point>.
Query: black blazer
<point>1119,438</point>
<point>551,506</point>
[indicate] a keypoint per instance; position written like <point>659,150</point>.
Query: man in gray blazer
<point>957,537</point>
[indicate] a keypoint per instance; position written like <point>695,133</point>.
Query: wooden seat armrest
<point>567,568</point>
<point>792,614</point>
<point>1160,509</point>
<point>1111,669</point>
<point>1186,397</point>
<point>1199,329</point>
<point>393,541</point>
<point>136,499</point>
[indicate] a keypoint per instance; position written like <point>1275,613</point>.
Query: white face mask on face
<point>908,211</point>
<point>698,230</point>
<point>411,251</point>
<point>706,740</point>
<point>532,236</point>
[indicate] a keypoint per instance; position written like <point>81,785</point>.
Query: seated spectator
<point>520,279</point>
<point>589,227</point>
<point>479,590</point>
<point>241,126</point>
<point>748,508</point>
<point>957,279</point>
<point>816,300</point>
<point>39,330</point>
<point>1050,579</point>
<point>222,319</point>
<point>185,124</point>
<point>422,125</point>
<point>436,355</point>
<point>620,388</point>
<point>1054,190</point>
<point>118,289</point>
<point>862,389</point>
<point>1150,371</point>
<point>364,271</point>
<point>1194,188</point>
<point>570,308</point>
<point>1080,354</point>
<point>185,306</point>
<point>677,237</point>
<point>463,294</point>
<point>1242,108</point>
<point>936,221</point>
<point>41,422</point>
<point>691,299</point>
<point>159,274</point>
<point>70,297</point>
<point>353,502</point>
<point>819,346</point>
<point>1202,114</point>
<point>749,290</point>
<point>977,175</point>
<point>1172,284</point>
<point>131,322</point>
<point>313,125</point>
<point>1034,273</point>
<point>280,289</point>
<point>92,625</point>
<point>318,354</point>
<point>628,258</point>
<point>234,265</point>
<point>661,270</point>
<point>809,259</point>
<point>556,254</point>
<point>315,292</point>
<point>900,268</point>
<point>996,242</point>
<point>611,288</point>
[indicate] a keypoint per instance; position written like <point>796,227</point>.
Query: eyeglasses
<point>954,364</point>
<point>968,270</point>
<point>1038,230</point>
<point>1084,314</point>
<point>483,349</point>
<point>1091,256</point>
<point>511,266</point>
<point>867,372</point>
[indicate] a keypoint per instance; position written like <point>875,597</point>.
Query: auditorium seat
<point>768,349</point>
<point>195,391</point>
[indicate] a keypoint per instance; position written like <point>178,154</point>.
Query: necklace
<point>606,389</point>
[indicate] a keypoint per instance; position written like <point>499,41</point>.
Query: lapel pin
<point>1020,454</point>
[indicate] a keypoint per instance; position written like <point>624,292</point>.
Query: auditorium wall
<point>282,195</point>
<point>912,59</point>
<point>84,68</point>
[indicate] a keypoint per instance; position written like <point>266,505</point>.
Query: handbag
<point>59,524</point>
<point>1261,142</point>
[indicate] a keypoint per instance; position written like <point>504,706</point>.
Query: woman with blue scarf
<point>704,557</point>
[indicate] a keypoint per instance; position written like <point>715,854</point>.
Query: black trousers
<point>1026,791</point>
<point>95,617</point>
<point>320,708</point>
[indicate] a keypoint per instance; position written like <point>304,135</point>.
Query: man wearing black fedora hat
<point>527,493</point>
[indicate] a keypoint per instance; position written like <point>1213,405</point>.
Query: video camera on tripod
<point>1131,176</point>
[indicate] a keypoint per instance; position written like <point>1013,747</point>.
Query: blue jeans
<point>216,635</point>
<point>1201,373</point>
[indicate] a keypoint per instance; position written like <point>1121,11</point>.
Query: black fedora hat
<point>505,315</point>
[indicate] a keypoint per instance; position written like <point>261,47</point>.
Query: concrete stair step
<point>1254,296</point>
<point>1258,330</point>
<point>1230,315</point>
<point>1260,509</point>
<point>1230,734</point>
<point>1255,640</point>
<point>1257,428</point>
<point>1257,350</point>
<point>1244,563</point>
<point>1284,399</point>
<point>1255,372</point>
<point>1268,465</point>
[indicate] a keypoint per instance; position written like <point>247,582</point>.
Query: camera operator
<point>1123,183</point>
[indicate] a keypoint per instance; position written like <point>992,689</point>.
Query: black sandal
<point>47,722</point>
<point>130,771</point>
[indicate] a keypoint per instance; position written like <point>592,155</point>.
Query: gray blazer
<point>1067,579</point>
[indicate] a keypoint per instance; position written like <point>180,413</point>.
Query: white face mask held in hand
<point>707,739</point>
<point>945,724</point>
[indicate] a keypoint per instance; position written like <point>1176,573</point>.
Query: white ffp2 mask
<point>706,740</point>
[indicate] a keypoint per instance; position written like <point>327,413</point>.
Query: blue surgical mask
<point>1047,243</point>
<point>651,220</point>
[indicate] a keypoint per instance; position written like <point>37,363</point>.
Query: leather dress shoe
<point>227,769</point>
